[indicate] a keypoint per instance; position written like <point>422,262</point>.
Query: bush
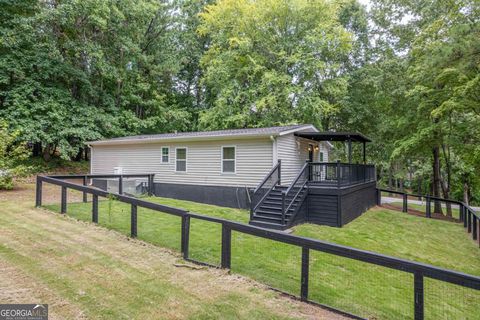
<point>12,152</point>
<point>6,180</point>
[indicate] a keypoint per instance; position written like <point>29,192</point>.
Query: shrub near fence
<point>416,283</point>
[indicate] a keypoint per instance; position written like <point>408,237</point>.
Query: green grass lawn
<point>88,272</point>
<point>357,287</point>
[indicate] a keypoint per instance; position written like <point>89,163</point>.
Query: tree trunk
<point>37,149</point>
<point>78,157</point>
<point>446,183</point>
<point>400,182</point>
<point>466,192</point>
<point>46,152</point>
<point>390,180</point>
<point>437,208</point>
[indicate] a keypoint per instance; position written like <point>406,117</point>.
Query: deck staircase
<point>269,213</point>
<point>275,206</point>
<point>278,206</point>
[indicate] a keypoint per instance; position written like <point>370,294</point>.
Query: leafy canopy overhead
<point>273,62</point>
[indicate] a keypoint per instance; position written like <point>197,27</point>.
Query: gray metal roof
<point>210,134</point>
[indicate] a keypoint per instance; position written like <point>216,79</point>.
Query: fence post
<point>405,203</point>
<point>478,232</point>
<point>38,193</point>
<point>84,193</point>
<point>304,276</point>
<point>94,208</point>
<point>428,207</point>
<point>226,246</point>
<point>469,221</point>
<point>120,184</point>
<point>465,214</point>
<point>474,228</point>
<point>338,174</point>
<point>185,235</point>
<point>460,212</point>
<point>150,184</point>
<point>418,295</point>
<point>133,221</point>
<point>379,197</point>
<point>63,206</point>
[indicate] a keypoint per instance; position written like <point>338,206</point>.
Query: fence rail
<point>466,214</point>
<point>419,270</point>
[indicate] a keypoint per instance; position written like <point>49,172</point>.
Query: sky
<point>365,2</point>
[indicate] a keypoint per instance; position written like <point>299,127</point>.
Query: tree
<point>74,71</point>
<point>273,62</point>
<point>11,154</point>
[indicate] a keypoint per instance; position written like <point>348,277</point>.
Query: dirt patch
<point>419,213</point>
<point>50,193</point>
<point>18,287</point>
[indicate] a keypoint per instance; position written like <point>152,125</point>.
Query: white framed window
<point>321,156</point>
<point>165,154</point>
<point>229,162</point>
<point>181,159</point>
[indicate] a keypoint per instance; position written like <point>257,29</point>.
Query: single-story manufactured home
<point>236,168</point>
<point>213,166</point>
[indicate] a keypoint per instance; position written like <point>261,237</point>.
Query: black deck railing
<point>418,270</point>
<point>466,214</point>
<point>272,179</point>
<point>337,174</point>
<point>293,195</point>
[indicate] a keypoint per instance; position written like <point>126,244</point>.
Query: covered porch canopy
<point>338,136</point>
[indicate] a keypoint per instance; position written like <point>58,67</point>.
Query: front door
<point>310,152</point>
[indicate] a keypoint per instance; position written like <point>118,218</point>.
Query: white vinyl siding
<point>253,160</point>
<point>293,151</point>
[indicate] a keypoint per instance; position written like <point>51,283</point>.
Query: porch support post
<point>364,153</point>
<point>349,150</point>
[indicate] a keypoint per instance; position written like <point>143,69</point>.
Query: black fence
<point>466,215</point>
<point>420,273</point>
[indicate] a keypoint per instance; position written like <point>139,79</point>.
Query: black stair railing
<point>294,191</point>
<point>259,194</point>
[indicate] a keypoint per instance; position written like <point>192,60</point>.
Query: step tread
<point>268,225</point>
<point>271,219</point>
<point>276,206</point>
<point>274,211</point>
<point>263,212</point>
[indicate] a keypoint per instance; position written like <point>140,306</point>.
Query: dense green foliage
<point>405,73</point>
<point>12,153</point>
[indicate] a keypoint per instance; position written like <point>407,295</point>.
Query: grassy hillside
<point>86,272</point>
<point>357,287</point>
